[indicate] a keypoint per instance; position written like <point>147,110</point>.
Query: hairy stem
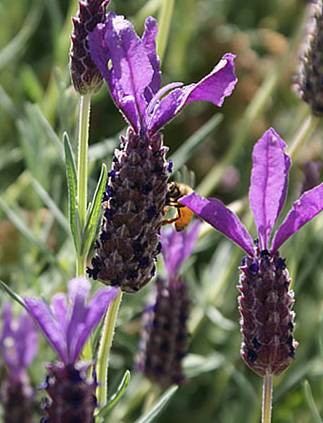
<point>82,170</point>
<point>267,395</point>
<point>104,349</point>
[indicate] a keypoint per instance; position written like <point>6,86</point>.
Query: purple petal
<point>99,50</point>
<point>269,180</point>
<point>59,308</point>
<point>96,309</point>
<point>303,210</point>
<point>78,291</point>
<point>55,335</point>
<point>177,247</point>
<point>149,42</point>
<point>128,70</point>
<point>221,218</point>
<point>214,87</point>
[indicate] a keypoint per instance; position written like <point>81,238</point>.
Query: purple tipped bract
<point>266,301</point>
<point>267,194</point>
<point>68,322</point>
<point>136,192</point>
<point>131,67</point>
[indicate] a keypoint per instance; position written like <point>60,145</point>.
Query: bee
<point>184,215</point>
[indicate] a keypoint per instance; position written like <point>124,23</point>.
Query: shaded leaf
<point>157,408</point>
<point>94,212</point>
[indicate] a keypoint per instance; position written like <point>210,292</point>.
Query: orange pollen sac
<point>185,217</point>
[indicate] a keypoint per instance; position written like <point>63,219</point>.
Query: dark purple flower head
<point>164,337</point>
<point>137,187</point>
<point>70,319</point>
<point>18,343</point>
<point>266,301</point>
<point>130,66</point>
<point>85,75</point>
<point>267,194</point>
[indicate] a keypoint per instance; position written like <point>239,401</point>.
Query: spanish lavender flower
<point>85,75</point>
<point>309,80</point>
<point>266,301</point>
<point>164,338</point>
<point>67,324</point>
<point>137,186</point>
<point>18,347</point>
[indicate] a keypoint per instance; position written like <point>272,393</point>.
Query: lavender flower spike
<point>137,187</point>
<point>85,75</point>
<point>67,324</point>
<point>265,301</point>
<point>164,339</point>
<point>18,348</point>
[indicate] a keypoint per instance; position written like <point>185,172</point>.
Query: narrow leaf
<point>185,151</point>
<point>12,293</point>
<point>311,403</point>
<point>49,202</point>
<point>116,397</point>
<point>157,408</point>
<point>72,191</point>
<point>94,212</point>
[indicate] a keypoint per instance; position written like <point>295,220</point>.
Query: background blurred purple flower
<point>18,348</point>
<point>137,187</point>
<point>164,338</point>
<point>265,303</point>
<point>67,325</point>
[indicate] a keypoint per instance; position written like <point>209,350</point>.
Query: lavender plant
<point>67,325</point>
<point>137,186</point>
<point>265,303</point>
<point>18,348</point>
<point>164,337</point>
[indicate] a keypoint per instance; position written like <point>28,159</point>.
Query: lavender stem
<point>267,395</point>
<point>167,7</point>
<point>82,170</point>
<point>303,134</point>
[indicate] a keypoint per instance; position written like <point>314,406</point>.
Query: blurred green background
<point>37,104</point>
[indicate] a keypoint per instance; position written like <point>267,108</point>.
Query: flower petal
<point>149,42</point>
<point>221,218</point>
<point>59,308</point>
<point>177,247</point>
<point>78,291</point>
<point>96,310</point>
<point>269,180</point>
<point>303,210</point>
<point>214,87</point>
<point>55,335</point>
<point>128,70</point>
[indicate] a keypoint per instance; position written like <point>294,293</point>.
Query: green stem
<point>267,396</point>
<point>167,7</point>
<point>104,349</point>
<point>82,170</point>
<point>303,134</point>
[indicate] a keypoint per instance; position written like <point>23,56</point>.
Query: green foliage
<point>38,183</point>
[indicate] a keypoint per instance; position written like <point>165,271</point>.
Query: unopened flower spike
<point>85,75</point>
<point>266,301</point>
<point>18,348</point>
<point>164,338</point>
<point>310,73</point>
<point>67,324</point>
<point>137,186</point>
